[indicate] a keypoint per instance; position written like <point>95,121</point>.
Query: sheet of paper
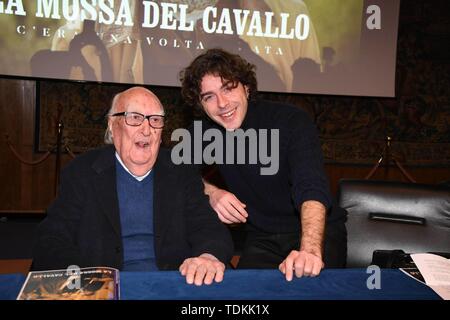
<point>436,272</point>
<point>442,291</point>
<point>435,269</point>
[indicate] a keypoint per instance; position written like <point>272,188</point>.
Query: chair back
<point>386,215</point>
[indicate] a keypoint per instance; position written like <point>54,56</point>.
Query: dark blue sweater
<point>136,219</point>
<point>273,201</point>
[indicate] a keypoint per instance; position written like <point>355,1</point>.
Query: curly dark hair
<point>219,62</point>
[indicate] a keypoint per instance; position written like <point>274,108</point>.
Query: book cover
<point>97,283</point>
<point>414,273</point>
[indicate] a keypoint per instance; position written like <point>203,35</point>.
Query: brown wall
<point>27,187</point>
<point>23,187</point>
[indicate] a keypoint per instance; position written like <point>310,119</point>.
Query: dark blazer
<point>82,226</point>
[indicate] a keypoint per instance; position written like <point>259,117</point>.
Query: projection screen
<point>343,47</point>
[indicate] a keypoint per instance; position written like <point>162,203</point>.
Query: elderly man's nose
<point>145,127</point>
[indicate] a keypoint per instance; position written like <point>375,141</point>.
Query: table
<point>258,285</point>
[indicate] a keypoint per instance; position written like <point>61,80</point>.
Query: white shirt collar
<point>138,178</point>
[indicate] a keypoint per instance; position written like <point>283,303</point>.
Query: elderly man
<point>130,208</point>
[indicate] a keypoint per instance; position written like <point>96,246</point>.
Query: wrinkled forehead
<point>141,101</point>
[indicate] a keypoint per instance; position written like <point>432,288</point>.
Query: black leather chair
<point>386,215</point>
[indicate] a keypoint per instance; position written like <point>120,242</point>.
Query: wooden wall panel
<point>23,187</point>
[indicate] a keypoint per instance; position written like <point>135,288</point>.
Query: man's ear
<point>110,125</point>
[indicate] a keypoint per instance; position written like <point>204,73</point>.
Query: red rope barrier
<point>21,159</point>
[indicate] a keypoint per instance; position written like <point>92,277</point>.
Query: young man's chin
<point>229,125</point>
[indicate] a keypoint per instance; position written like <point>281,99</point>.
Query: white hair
<point>108,133</point>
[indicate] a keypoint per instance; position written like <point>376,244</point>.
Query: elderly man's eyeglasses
<point>135,119</point>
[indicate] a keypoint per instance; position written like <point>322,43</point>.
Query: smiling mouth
<point>228,114</point>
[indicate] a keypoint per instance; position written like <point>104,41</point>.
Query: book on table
<point>96,283</point>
